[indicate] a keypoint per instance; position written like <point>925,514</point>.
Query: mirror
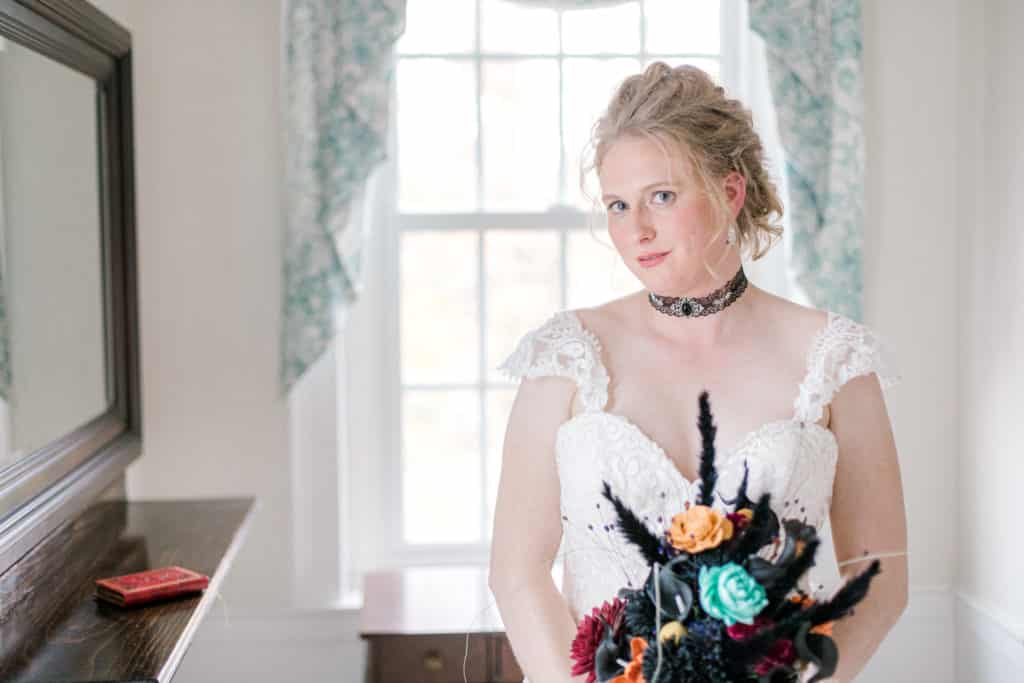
<point>69,387</point>
<point>51,252</point>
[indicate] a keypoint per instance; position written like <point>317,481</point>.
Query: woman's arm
<point>868,517</point>
<point>528,531</point>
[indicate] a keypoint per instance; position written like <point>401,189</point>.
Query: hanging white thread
<point>873,557</point>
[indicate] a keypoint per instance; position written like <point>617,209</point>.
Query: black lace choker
<point>692,307</point>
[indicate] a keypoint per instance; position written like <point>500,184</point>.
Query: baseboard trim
<point>1010,626</point>
<point>989,647</point>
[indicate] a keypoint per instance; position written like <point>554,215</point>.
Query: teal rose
<point>730,594</point>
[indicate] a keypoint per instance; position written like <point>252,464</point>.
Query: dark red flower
<point>741,631</point>
<point>782,653</point>
<point>740,519</point>
<point>589,634</point>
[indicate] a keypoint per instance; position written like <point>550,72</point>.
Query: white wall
<point>208,202</point>
<point>207,125</point>
<point>910,255</point>
<point>990,604</point>
<point>910,265</point>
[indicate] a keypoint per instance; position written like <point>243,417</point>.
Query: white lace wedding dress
<point>794,459</point>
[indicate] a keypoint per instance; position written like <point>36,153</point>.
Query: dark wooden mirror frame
<point>53,483</point>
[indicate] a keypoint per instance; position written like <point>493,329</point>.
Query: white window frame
<point>368,357</point>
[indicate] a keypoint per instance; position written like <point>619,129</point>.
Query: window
<point>494,102</point>
<point>481,233</point>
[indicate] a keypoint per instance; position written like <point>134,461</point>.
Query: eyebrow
<point>606,197</point>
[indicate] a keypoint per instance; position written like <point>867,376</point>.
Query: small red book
<point>150,585</point>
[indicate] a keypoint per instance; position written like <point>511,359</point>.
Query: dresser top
<point>53,628</point>
<point>432,600</point>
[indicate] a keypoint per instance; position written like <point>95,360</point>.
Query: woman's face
<point>660,210</point>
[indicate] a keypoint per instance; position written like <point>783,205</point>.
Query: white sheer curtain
<point>772,271</point>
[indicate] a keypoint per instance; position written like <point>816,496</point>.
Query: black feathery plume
<point>708,473</point>
<point>634,530</point>
<point>763,526</point>
<point>800,564</point>
<point>741,500</point>
<point>785,610</point>
<point>751,649</point>
<point>844,600</point>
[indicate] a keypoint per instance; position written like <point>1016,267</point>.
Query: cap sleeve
<point>562,347</point>
<point>843,350</point>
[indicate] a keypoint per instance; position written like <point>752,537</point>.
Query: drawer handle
<point>432,661</point>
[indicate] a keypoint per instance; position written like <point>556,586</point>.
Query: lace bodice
<point>793,459</point>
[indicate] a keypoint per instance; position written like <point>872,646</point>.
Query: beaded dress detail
<point>794,459</point>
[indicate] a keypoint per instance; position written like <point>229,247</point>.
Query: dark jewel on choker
<point>692,307</point>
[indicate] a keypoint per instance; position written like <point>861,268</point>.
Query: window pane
<point>683,27</point>
<point>523,286</point>
<point>589,85</point>
<point>430,31</point>
<point>439,310</point>
<point>607,30</point>
<point>436,136</point>
<point>508,27</point>
<point>520,110</point>
<point>596,271</point>
<point>499,405</point>
<point>441,466</point>
<point>711,66</point>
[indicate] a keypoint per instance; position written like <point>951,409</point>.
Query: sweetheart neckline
<point>830,318</point>
<point>722,458</point>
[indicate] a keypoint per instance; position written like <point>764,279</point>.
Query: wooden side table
<point>416,622</point>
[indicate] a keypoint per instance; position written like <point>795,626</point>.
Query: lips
<point>653,259</point>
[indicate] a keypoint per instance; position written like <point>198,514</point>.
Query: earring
<point>732,236</point>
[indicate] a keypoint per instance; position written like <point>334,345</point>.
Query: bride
<point>610,393</point>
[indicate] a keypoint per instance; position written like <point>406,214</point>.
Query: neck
<point>707,331</point>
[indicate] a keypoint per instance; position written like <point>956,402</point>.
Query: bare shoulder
<point>792,324</point>
<point>611,318</point>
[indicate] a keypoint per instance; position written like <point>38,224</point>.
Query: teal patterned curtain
<point>814,65</point>
<point>337,71</point>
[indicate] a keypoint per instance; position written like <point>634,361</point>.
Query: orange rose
<point>634,672</point>
<point>699,528</point>
<point>824,629</point>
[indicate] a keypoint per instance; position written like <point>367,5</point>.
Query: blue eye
<point>617,201</point>
<point>668,192</point>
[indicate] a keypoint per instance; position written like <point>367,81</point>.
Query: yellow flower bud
<point>673,630</point>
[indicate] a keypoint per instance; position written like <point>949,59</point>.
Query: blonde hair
<point>682,107</point>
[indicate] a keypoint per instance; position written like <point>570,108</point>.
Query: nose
<point>643,226</point>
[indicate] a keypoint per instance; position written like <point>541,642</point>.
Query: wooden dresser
<point>416,622</point>
<point>52,628</point>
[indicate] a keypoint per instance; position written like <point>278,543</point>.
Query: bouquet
<point>712,610</point>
